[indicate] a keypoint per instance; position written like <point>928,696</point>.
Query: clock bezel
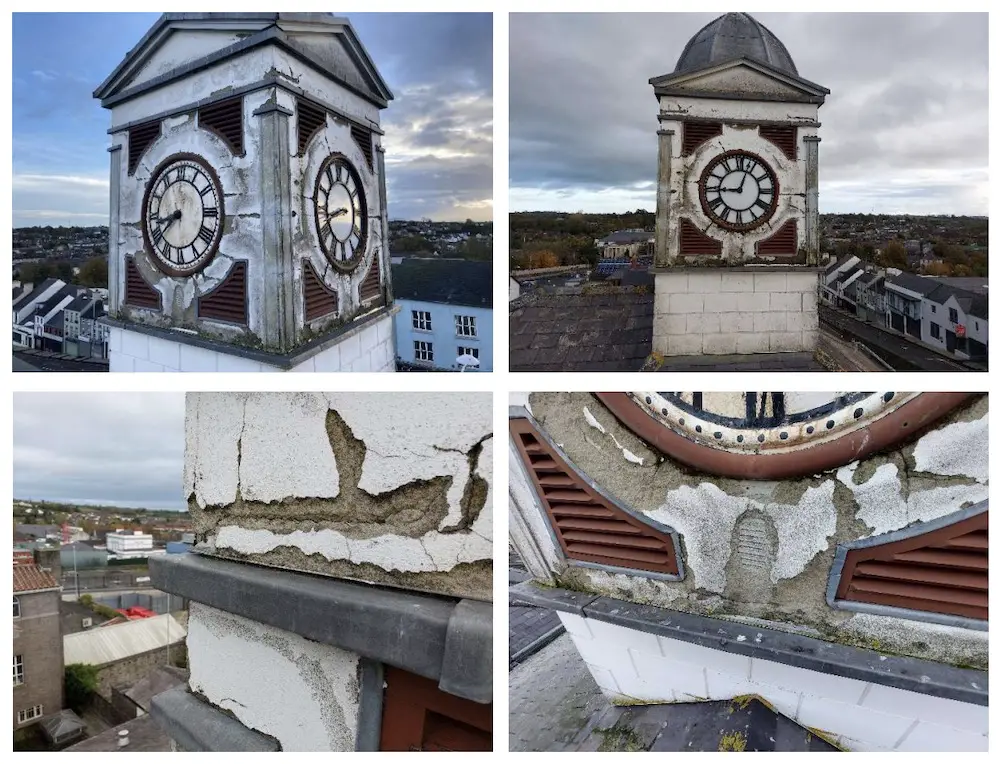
<point>213,248</point>
<point>351,265</point>
<point>702,191</point>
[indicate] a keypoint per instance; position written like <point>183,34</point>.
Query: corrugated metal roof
<point>114,643</point>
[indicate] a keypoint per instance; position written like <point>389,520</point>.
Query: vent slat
<point>922,574</point>
<point>140,138</point>
<point>309,119</point>
<point>945,570</point>
<point>609,539</point>
<point>228,301</point>
<point>784,241</point>
<point>371,287</point>
<point>363,138</point>
<point>785,137</point>
<point>694,242</point>
<point>137,291</point>
<point>318,298</point>
<point>590,527</point>
<point>225,119</point>
<point>696,133</point>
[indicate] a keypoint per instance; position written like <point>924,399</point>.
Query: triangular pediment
<point>743,79</point>
<point>180,44</point>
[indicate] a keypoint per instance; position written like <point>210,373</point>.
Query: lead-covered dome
<point>732,36</point>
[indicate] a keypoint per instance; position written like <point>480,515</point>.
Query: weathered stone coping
<point>905,673</point>
<point>447,640</point>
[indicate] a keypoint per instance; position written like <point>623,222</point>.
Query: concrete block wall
<point>725,312</point>
<point>368,348</point>
<point>631,665</point>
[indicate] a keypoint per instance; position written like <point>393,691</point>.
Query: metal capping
<point>692,241</point>
<point>917,529</point>
<point>781,242</point>
<point>370,694</point>
<point>196,725</point>
<point>519,412</point>
<point>696,133</point>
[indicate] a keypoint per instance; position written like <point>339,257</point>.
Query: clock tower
<point>248,224</point>
<point>737,216</point>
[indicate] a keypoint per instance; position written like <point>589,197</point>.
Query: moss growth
<point>619,738</point>
<point>733,741</point>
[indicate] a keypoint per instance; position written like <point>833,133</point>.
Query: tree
<point>35,273</point>
<point>80,681</point>
<point>894,255</point>
<point>937,268</point>
<point>94,272</point>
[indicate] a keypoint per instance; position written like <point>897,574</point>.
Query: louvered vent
<point>363,138</point>
<point>942,571</point>
<point>140,138</point>
<point>694,242</point>
<point>225,119</point>
<point>137,291</point>
<point>784,241</point>
<point>310,119</point>
<point>319,299</point>
<point>696,133</point>
<point>228,301</point>
<point>371,287</point>
<point>785,137</point>
<point>589,527</point>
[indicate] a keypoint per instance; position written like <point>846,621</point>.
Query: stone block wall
<point>369,347</point>
<point>631,666</point>
<point>125,673</point>
<point>726,312</point>
<point>386,488</point>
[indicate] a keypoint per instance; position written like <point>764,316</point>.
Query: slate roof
<point>980,307</point>
<point>156,681</point>
<point>79,302</point>
<point>838,264</point>
<point>31,578</point>
<point>40,289</point>
<point>144,734</point>
<point>590,329</point>
<point>627,237</point>
<point>974,284</point>
<point>450,282</point>
<point>732,36</point>
<point>913,283</point>
<point>36,531</point>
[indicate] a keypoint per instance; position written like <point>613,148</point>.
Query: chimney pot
<point>122,738</point>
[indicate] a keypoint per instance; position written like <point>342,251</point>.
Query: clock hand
<point>338,212</point>
<point>171,218</point>
<point>742,182</point>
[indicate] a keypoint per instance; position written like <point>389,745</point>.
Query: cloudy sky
<point>905,128</point>
<point>119,449</point>
<point>439,128</point>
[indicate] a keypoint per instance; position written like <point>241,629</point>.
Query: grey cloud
<point>909,93</point>
<point>125,449</point>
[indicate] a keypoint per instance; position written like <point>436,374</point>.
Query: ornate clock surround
<point>770,209</point>
<point>359,213</point>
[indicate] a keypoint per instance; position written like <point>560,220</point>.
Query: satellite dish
<point>465,360</point>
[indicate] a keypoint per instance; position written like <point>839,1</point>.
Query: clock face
<point>183,214</point>
<point>341,213</point>
<point>775,435</point>
<point>738,190</point>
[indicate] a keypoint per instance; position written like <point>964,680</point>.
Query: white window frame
<point>463,350</point>
<point>421,320</point>
<point>423,347</point>
<point>465,326</point>
<point>27,714</point>
<point>17,607</point>
<point>18,670</point>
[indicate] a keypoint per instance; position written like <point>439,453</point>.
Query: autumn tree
<point>94,272</point>
<point>894,255</point>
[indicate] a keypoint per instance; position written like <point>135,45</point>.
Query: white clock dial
<point>341,213</point>
<point>738,190</point>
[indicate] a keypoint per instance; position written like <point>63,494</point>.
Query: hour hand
<point>338,212</point>
<point>170,218</point>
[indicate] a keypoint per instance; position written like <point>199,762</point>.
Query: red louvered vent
<point>696,133</point>
<point>371,287</point>
<point>140,138</point>
<point>137,291</point>
<point>942,571</point>
<point>784,241</point>
<point>225,119</point>
<point>785,137</point>
<point>363,137</point>
<point>694,242</point>
<point>319,299</point>
<point>589,527</point>
<point>228,301</point>
<point>310,119</point>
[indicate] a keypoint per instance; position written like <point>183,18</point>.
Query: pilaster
<point>116,285</point>
<point>662,257</point>
<point>812,199</point>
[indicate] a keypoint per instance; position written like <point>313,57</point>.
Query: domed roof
<point>731,36</point>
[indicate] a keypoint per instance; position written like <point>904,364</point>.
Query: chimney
<point>122,738</point>
<point>47,558</point>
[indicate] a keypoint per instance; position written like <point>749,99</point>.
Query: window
<point>953,315</point>
<point>18,670</point>
<point>474,352</point>
<point>423,351</point>
<point>935,331</point>
<point>28,714</point>
<point>88,622</point>
<point>421,320</point>
<point>933,308</point>
<point>465,326</point>
<point>17,608</point>
<point>977,326</point>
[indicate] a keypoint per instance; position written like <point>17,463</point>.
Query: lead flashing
<point>404,629</point>
<point>199,726</point>
<point>902,672</point>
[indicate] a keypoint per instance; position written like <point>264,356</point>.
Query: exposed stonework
<point>386,488</point>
